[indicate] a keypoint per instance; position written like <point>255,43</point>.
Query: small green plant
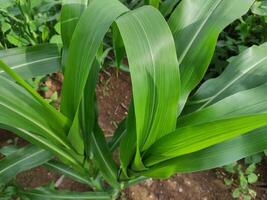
<point>170,128</point>
<point>241,180</point>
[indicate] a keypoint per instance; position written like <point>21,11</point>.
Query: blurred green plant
<point>242,176</point>
<point>29,22</point>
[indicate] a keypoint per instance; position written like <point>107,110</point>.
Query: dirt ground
<point>114,95</point>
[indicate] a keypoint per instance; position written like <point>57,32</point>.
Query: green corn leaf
<point>65,155</point>
<point>57,116</point>
<point>30,62</point>
<point>21,160</point>
<point>48,194</point>
<point>242,103</point>
<point>247,70</point>
<point>69,172</point>
<point>85,43</point>
<point>196,25</point>
<point>193,138</point>
<point>152,86</point>
<point>78,97</point>
<point>216,156</point>
<point>103,157</point>
<point>20,109</point>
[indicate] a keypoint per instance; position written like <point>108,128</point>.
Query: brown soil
<point>114,95</point>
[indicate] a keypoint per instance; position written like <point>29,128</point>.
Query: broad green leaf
<point>242,103</point>
<point>20,109</point>
<point>69,172</point>
<point>196,25</point>
<point>85,43</point>
<point>193,138</point>
<point>59,119</point>
<point>216,156</point>
<point>153,76</point>
<point>30,62</point>
<point>103,157</point>
<point>23,159</point>
<point>48,194</point>
<point>246,71</point>
<point>33,122</point>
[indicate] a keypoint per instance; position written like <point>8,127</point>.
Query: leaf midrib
<point>232,82</point>
<point>33,62</point>
<point>188,47</point>
<point>25,158</point>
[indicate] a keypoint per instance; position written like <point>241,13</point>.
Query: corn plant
<point>171,126</point>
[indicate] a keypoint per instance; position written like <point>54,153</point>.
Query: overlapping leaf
<point>193,138</point>
<point>246,71</point>
<point>196,25</point>
<point>153,76</point>
<point>242,103</point>
<point>212,157</point>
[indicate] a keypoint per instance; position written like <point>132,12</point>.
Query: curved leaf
<point>19,109</point>
<point>196,25</point>
<point>242,103</point>
<point>246,71</point>
<point>85,43</point>
<point>153,76</point>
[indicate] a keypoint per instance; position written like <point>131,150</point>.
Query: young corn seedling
<point>169,129</point>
